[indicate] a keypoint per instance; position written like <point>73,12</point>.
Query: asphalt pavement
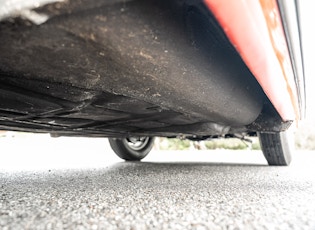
<point>170,190</point>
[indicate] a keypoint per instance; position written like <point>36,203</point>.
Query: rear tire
<point>277,147</point>
<point>132,148</point>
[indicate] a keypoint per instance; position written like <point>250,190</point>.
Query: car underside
<point>128,68</point>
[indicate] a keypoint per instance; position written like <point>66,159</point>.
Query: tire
<point>132,148</point>
<point>277,147</point>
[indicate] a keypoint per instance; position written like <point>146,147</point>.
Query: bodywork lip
<point>290,15</point>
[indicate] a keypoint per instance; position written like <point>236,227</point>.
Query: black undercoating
<point>121,68</point>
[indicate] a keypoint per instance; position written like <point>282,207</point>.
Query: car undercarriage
<point>124,69</point>
<point>116,68</point>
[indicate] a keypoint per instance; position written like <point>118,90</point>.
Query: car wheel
<point>132,148</point>
<point>277,147</point>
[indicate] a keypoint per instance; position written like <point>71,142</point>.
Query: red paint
<point>255,30</point>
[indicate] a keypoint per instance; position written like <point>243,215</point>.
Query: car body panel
<point>255,29</point>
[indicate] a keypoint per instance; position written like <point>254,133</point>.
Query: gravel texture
<point>160,196</point>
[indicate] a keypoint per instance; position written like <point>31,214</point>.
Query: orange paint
<point>255,30</point>
<point>272,16</point>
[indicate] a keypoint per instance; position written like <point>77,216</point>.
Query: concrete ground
<point>78,183</point>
